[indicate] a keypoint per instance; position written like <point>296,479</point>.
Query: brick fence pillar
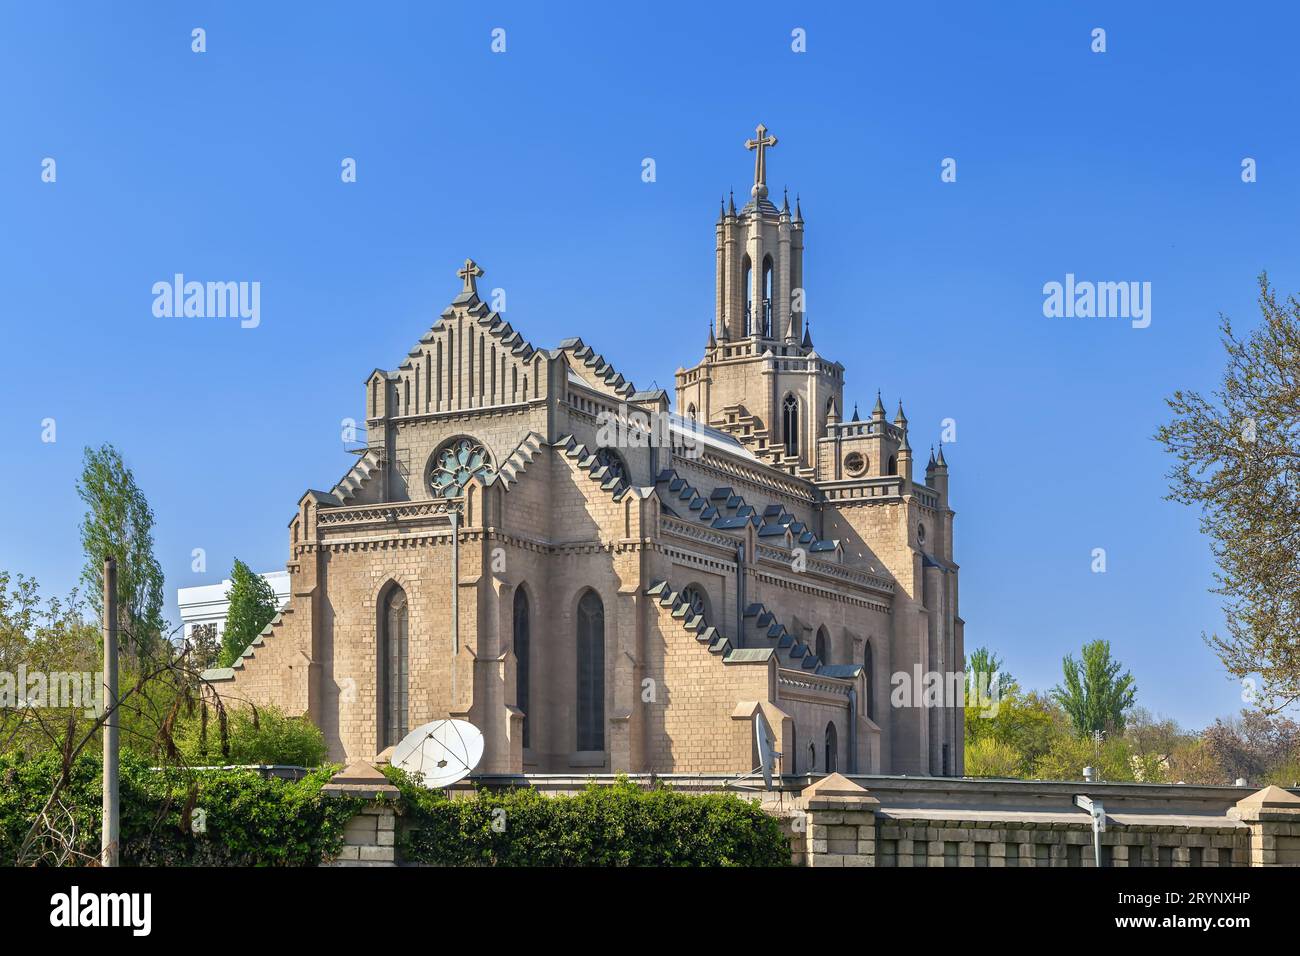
<point>369,839</point>
<point>841,825</point>
<point>1273,816</point>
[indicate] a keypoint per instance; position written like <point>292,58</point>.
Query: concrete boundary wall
<point>890,821</point>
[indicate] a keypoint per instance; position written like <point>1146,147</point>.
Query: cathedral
<point>609,579</point>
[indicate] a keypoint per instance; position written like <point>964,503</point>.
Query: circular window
<point>455,465</point>
<point>611,460</point>
<point>694,598</point>
<point>920,534</point>
<point>855,463</point>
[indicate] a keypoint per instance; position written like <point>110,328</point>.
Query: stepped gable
<point>358,475</point>
<point>765,637</point>
<point>763,630</point>
<point>517,461</point>
<point>597,372</point>
<point>488,321</point>
<point>419,378</point>
<point>737,421</point>
<point>725,510</point>
<point>227,673</point>
<point>670,599</point>
<point>586,460</point>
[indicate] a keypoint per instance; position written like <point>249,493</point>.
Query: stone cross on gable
<point>760,159</point>
<point>469,273</point>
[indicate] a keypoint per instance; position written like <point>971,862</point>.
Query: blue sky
<point>225,165</point>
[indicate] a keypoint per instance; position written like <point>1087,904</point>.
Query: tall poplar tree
<point>119,522</point>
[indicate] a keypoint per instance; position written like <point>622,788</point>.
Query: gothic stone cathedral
<point>598,605</point>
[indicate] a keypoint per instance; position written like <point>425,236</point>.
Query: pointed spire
<point>798,213</point>
<point>731,205</point>
<point>878,412</point>
<point>785,200</point>
<point>807,335</point>
<point>930,465</point>
<point>722,208</point>
<point>856,417</point>
<point>713,342</point>
<point>832,412</point>
<point>900,419</point>
<point>939,461</point>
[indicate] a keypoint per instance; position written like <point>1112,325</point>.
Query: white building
<point>207,604</point>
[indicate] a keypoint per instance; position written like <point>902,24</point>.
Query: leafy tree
<point>1238,461</point>
<point>1111,757</point>
<point>252,605</point>
<point>1024,724</point>
<point>205,646</point>
<point>119,523</point>
<point>1195,763</point>
<point>46,635</point>
<point>1095,695</point>
<point>987,683</point>
<point>253,736</point>
<point>1257,746</point>
<point>989,757</point>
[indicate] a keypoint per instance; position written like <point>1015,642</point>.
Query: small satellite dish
<point>440,753</point>
<point>765,741</point>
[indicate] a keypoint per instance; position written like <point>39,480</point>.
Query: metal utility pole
<point>111,819</point>
<point>1098,813</point>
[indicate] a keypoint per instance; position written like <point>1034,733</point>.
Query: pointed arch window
<point>393,666</point>
<point>522,651</point>
<point>749,296</point>
<point>767,296</point>
<point>891,468</point>
<point>823,646</point>
<point>591,672</point>
<point>832,749</point>
<point>790,424</point>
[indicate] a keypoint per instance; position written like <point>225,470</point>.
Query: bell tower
<point>760,378</point>
<point>759,272</point>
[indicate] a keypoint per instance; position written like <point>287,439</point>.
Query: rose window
<point>455,465</point>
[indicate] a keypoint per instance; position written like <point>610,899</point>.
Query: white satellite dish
<point>765,744</point>
<point>440,753</point>
<point>767,752</point>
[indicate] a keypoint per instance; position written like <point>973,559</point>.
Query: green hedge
<point>251,821</point>
<point>620,825</point>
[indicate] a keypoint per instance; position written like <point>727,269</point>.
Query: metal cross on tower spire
<point>760,160</point>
